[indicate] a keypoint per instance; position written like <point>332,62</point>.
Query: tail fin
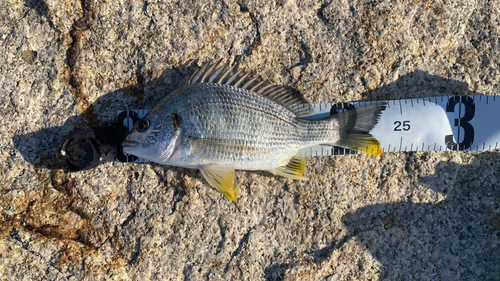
<point>355,126</point>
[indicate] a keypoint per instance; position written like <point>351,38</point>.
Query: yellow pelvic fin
<point>223,179</point>
<point>294,169</point>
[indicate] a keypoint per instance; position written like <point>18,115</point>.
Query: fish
<point>225,119</point>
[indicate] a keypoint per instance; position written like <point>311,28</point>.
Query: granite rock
<point>398,216</point>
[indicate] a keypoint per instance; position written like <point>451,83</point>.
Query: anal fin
<point>294,169</point>
<point>223,179</point>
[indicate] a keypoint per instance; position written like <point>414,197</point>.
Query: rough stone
<point>398,216</point>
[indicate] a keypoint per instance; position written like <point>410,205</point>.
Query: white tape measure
<point>422,124</point>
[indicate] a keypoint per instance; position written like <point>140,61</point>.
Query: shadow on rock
<point>39,148</point>
<point>456,239</point>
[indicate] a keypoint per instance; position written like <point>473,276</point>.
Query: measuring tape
<point>448,123</point>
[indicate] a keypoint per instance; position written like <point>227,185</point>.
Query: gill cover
<point>169,138</point>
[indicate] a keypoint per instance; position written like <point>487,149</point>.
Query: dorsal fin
<point>222,73</point>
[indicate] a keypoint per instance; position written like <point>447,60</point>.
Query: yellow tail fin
<point>355,126</point>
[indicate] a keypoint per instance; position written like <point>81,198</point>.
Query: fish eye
<point>142,125</point>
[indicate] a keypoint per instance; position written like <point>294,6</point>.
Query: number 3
<point>470,110</point>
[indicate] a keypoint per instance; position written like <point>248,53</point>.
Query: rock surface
<point>398,216</point>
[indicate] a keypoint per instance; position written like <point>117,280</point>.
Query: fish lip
<point>127,143</point>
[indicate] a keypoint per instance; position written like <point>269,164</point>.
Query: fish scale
<point>244,123</point>
<point>228,117</point>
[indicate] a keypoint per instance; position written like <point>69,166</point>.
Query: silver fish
<point>225,120</point>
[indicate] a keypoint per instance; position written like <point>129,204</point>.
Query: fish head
<point>153,138</point>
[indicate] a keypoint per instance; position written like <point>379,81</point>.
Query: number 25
<point>406,125</point>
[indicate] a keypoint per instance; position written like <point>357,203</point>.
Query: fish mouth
<point>127,143</point>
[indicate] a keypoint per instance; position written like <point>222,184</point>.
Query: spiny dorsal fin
<point>294,169</point>
<point>222,73</point>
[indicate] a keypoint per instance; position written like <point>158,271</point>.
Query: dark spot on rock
<point>321,14</point>
<point>29,56</point>
<point>485,60</point>
<point>243,8</point>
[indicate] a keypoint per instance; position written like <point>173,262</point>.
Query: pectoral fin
<point>223,179</point>
<point>294,169</point>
